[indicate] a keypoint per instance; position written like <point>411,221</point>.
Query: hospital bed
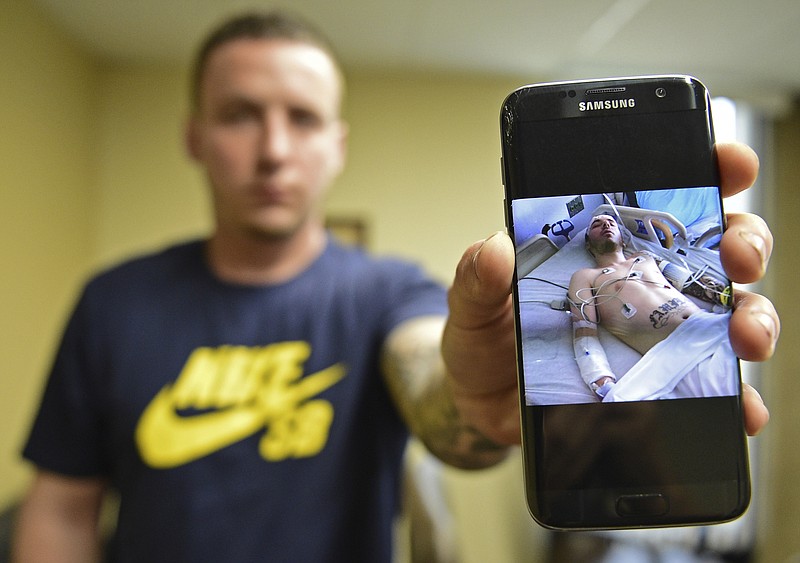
<point>544,272</point>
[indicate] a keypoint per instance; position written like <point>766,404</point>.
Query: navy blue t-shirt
<point>238,423</point>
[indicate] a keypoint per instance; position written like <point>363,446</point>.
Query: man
<point>686,350</point>
<point>248,395</point>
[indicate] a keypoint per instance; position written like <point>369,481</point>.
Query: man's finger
<point>756,414</point>
<point>754,326</point>
<point>738,165</point>
<point>482,285</point>
<point>478,343</point>
<point>745,247</point>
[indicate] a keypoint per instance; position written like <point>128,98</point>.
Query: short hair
<point>253,25</point>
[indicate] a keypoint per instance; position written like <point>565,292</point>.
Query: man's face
<point>603,235</point>
<point>268,132</point>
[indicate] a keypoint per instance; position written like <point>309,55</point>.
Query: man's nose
<point>276,139</point>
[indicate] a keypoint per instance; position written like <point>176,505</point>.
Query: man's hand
<point>745,250</point>
<point>478,343</point>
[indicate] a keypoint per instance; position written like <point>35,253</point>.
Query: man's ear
<point>192,138</point>
<point>343,142</point>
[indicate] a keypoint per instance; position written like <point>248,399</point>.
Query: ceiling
<point>747,49</point>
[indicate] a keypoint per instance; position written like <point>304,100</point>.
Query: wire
<point>594,300</point>
<point>547,281</point>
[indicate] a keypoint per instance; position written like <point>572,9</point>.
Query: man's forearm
<point>58,521</point>
<point>415,375</point>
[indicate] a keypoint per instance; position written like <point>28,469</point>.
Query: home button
<point>642,505</point>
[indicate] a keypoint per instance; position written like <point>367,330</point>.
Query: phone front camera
<point>661,92</point>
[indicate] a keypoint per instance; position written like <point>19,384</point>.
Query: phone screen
<point>629,389</point>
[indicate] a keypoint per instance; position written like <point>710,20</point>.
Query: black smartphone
<point>630,393</point>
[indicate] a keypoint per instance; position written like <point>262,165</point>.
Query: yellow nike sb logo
<point>244,390</point>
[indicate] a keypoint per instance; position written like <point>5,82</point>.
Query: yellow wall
<point>46,166</point>
<point>781,519</point>
<point>93,170</point>
<point>424,163</point>
<point>148,193</point>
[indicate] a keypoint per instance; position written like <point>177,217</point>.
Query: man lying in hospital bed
<point>621,310</point>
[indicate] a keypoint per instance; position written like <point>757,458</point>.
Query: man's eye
<point>305,118</point>
<point>239,115</point>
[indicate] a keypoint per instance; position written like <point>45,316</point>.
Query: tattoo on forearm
<point>450,437</point>
<point>710,290</point>
<point>414,372</point>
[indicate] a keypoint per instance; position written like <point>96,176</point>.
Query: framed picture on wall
<point>348,230</point>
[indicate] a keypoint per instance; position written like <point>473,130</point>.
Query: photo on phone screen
<point>622,297</point>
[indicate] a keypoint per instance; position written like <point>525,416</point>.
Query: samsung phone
<point>630,392</point>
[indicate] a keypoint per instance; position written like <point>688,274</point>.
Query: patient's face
<point>604,227</point>
<point>603,235</point>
